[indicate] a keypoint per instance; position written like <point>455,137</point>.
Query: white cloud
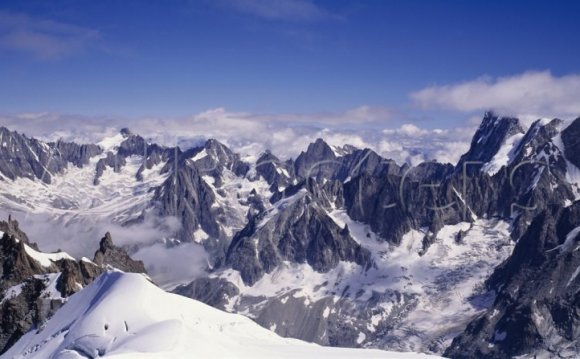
<point>412,144</point>
<point>286,135</point>
<point>42,38</point>
<point>535,94</point>
<point>166,266</point>
<point>411,130</point>
<point>174,265</point>
<point>81,238</point>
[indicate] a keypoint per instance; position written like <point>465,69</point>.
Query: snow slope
<point>124,316</point>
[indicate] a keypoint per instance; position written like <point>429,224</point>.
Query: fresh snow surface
<point>46,259</point>
<point>504,155</point>
<point>124,316</point>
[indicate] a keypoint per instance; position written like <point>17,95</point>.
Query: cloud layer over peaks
<point>533,93</point>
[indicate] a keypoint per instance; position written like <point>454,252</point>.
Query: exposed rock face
<point>571,140</point>
<point>490,136</point>
<point>16,264</point>
<point>278,174</point>
<point>212,291</point>
<point>19,314</point>
<point>31,292</point>
<point>301,233</point>
<point>12,228</point>
<point>186,196</point>
<point>78,155</point>
<point>318,161</point>
<point>110,255</point>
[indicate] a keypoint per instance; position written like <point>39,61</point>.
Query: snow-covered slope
<point>72,195</point>
<point>125,316</point>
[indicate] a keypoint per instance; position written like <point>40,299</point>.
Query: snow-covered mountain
<point>122,315</point>
<point>340,246</point>
<point>35,284</point>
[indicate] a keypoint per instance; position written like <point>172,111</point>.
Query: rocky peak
<point>489,138</point>
<point>537,142</point>
<point>320,150</point>
<point>126,132</point>
<point>132,145</point>
<point>12,228</point>
<point>106,243</point>
<point>218,157</point>
<point>23,157</point>
<point>268,156</point>
<point>277,173</point>
<point>110,255</point>
<point>298,230</point>
<point>219,151</point>
<point>318,160</point>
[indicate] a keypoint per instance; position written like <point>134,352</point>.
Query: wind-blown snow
<point>124,316</point>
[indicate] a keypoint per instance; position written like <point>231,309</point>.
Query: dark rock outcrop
<point>110,255</point>
<point>299,231</point>
<point>12,228</point>
<point>212,291</point>
<point>571,140</point>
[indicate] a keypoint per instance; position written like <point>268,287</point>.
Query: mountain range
<point>339,247</point>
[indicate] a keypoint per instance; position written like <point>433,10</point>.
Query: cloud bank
<point>167,266</point>
<point>286,135</point>
<point>533,94</point>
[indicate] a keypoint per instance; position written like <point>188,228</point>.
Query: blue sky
<point>415,60</point>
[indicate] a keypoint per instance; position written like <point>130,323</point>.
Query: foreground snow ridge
<point>123,315</point>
